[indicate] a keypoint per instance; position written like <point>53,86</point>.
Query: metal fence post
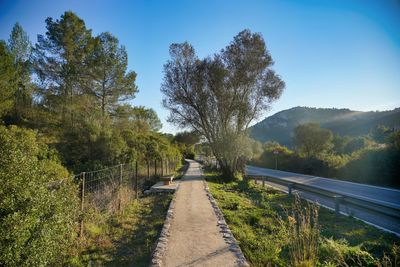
<point>162,167</point>
<point>120,188</point>
<point>136,180</point>
<point>290,187</point>
<point>155,167</point>
<point>82,204</point>
<point>338,199</point>
<point>120,175</point>
<point>148,170</point>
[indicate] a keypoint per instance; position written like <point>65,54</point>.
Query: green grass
<point>125,239</point>
<point>257,217</point>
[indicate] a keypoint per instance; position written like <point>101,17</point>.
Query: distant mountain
<point>279,127</point>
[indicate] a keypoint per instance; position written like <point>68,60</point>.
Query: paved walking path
<point>195,238</point>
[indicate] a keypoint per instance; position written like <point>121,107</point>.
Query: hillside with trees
<point>279,127</point>
<point>371,159</point>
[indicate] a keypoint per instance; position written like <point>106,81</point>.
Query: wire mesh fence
<point>110,189</point>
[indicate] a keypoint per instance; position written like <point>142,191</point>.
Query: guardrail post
<point>290,187</point>
<point>263,181</point>
<point>338,200</point>
<point>82,203</point>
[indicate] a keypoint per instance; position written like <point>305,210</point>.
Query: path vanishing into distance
<point>195,237</point>
<point>385,196</point>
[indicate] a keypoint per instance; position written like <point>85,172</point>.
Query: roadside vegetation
<point>370,159</point>
<point>274,229</point>
<point>127,239</point>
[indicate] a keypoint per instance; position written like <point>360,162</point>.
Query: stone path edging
<point>227,234</point>
<point>161,247</point>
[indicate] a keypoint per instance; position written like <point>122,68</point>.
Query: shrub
<point>370,165</point>
<point>37,204</point>
<point>340,253</point>
<point>303,233</point>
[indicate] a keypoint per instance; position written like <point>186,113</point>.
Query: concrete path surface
<point>195,239</point>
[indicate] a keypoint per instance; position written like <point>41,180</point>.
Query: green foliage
<point>106,242</point>
<point>269,225</point>
<point>356,144</point>
<point>311,140</point>
<point>38,202</point>
<point>186,142</point>
<point>76,100</point>
<point>7,78</point>
<point>303,233</point>
<point>357,159</point>
<point>109,80</point>
<point>220,96</point>
<point>149,147</point>
<point>189,138</point>
<point>59,64</point>
<point>249,214</point>
<point>139,119</point>
<point>373,166</point>
<point>394,140</point>
<point>339,143</point>
<point>369,165</point>
<point>340,253</point>
<point>379,133</point>
<point>83,84</point>
<point>20,48</point>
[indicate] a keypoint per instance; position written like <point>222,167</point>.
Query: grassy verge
<point>258,217</point>
<point>125,239</point>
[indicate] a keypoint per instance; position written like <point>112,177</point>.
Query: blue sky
<point>343,53</point>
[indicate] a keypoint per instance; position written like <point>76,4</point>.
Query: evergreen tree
<point>109,81</point>
<point>59,58</point>
<point>7,77</point>
<point>20,48</point>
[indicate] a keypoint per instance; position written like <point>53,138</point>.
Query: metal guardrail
<point>339,198</point>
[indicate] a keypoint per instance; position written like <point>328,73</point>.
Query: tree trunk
<point>228,173</point>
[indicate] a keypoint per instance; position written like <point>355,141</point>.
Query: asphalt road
<point>382,195</point>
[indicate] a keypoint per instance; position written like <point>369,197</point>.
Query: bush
<point>370,165</point>
<point>373,166</point>
<point>37,204</point>
<point>340,253</point>
<point>356,144</point>
<point>303,233</point>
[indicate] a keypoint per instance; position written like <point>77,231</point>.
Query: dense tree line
<point>372,159</point>
<point>63,109</point>
<point>73,88</point>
